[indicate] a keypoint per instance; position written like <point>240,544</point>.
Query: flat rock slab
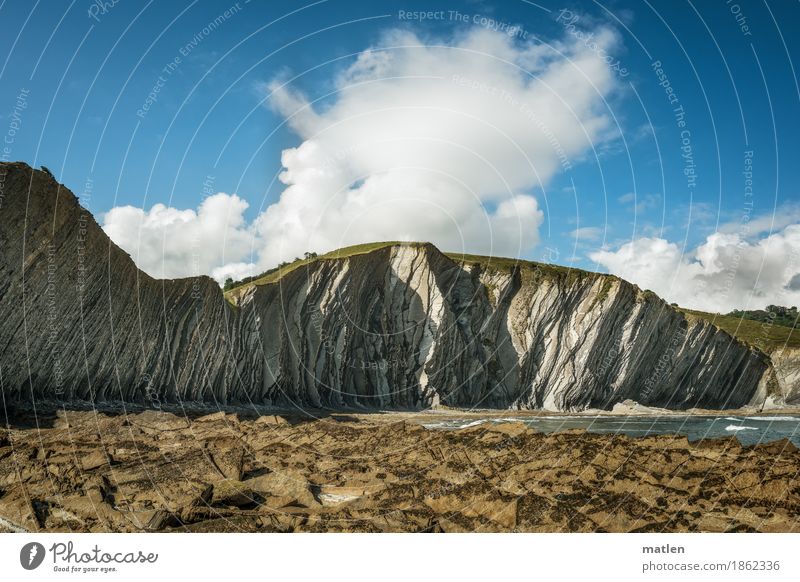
<point>382,473</point>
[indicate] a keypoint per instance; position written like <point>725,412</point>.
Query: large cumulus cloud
<point>727,271</point>
<point>441,140</point>
<point>169,243</point>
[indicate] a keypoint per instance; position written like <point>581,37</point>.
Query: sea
<point>750,430</point>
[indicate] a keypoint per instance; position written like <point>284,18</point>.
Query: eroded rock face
<point>406,326</point>
<point>401,327</point>
<point>786,365</point>
<point>80,321</point>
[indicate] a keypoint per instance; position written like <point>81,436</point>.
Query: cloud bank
<point>726,272</point>
<point>450,142</point>
<point>169,243</point>
<point>422,139</point>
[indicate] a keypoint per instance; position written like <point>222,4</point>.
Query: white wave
<point>732,427</point>
<point>771,418</point>
<point>734,418</point>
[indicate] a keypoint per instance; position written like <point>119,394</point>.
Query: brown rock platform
<point>89,471</point>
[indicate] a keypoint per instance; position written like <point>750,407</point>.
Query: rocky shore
<point>157,471</point>
<point>398,326</point>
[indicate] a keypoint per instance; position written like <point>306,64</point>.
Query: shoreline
<point>199,409</point>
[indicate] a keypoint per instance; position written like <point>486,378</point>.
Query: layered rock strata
<point>404,326</point>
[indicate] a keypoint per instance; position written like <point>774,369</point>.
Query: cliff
<point>400,326</point>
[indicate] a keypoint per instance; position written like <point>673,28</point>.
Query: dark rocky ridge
<point>401,327</point>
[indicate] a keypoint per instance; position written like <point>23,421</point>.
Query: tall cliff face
<point>406,326</point>
<point>403,326</point>
<point>780,385</point>
<point>80,321</point>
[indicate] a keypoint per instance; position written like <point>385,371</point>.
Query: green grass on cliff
<point>275,275</point>
<point>504,264</point>
<point>494,263</point>
<point>765,337</point>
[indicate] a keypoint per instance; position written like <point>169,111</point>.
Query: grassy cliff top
<point>276,274</point>
<point>765,337</point>
<point>486,262</point>
<point>543,269</point>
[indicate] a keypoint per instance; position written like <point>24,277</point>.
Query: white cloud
<point>726,272</point>
<point>167,242</point>
<point>439,143</point>
<point>443,142</point>
<point>640,202</point>
<point>781,217</point>
<point>587,233</point>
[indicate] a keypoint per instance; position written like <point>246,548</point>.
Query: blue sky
<point>85,74</point>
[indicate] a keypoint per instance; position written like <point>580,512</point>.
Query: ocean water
<point>749,430</point>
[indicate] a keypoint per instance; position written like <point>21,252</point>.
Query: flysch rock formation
<point>400,327</point>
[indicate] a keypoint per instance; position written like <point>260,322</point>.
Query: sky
<point>655,140</point>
